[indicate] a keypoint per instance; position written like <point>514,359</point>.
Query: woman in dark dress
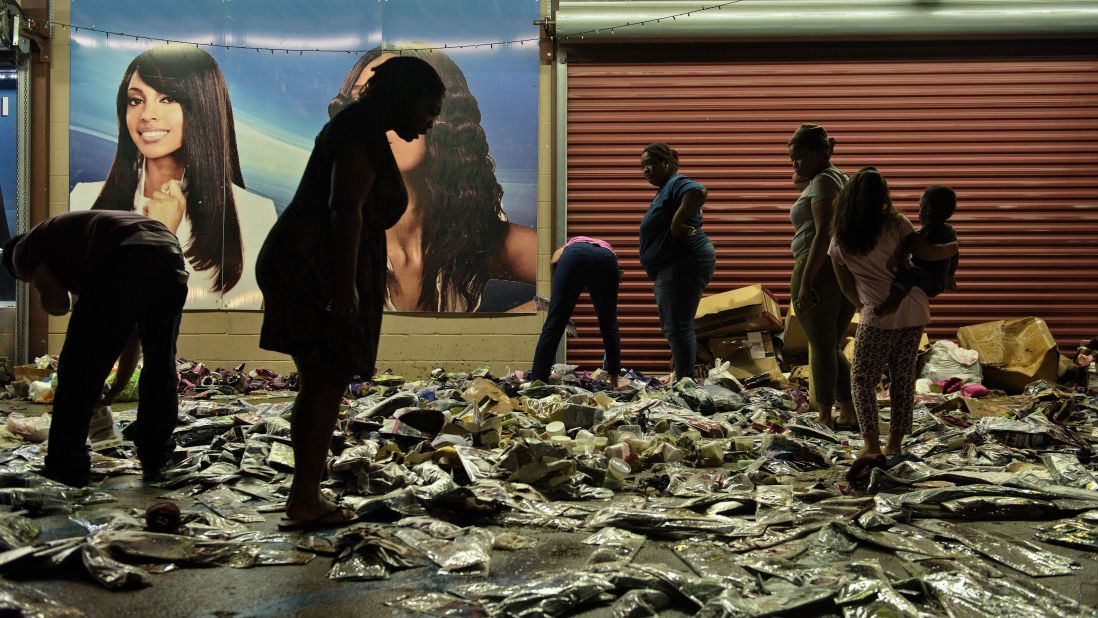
<point>322,269</point>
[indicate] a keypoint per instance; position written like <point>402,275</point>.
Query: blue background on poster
<point>8,162</point>
<point>280,100</point>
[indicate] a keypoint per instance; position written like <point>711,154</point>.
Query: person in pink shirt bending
<point>868,231</point>
<point>582,263</point>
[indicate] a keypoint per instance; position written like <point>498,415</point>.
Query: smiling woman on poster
<point>454,236</point>
<point>176,157</point>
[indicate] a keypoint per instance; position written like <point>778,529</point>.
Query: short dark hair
<point>940,201</point>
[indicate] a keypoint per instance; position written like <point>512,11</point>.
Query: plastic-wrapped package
<point>107,519</point>
<point>203,430</point>
<point>21,600</point>
<point>712,560</point>
<point>698,398</point>
<point>796,600</point>
<point>50,497</point>
<point>16,531</point>
<point>471,550</point>
<point>945,359</point>
<point>671,524</point>
<point>867,593</point>
<point>437,604</point>
<point>1078,533</point>
<point>724,399</point>
<point>616,547</point>
<point>356,567</point>
<point>640,603</point>
<point>556,594</point>
<point>111,573</point>
<point>229,505</point>
<point>899,538</point>
<point>1067,470</point>
<point>30,428</point>
<point>963,591</point>
<point>1020,555</point>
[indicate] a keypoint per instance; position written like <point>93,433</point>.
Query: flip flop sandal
<point>334,518</point>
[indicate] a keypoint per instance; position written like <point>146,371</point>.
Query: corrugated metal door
<point>1017,139</point>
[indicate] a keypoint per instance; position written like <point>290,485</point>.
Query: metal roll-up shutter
<point>1016,138</point>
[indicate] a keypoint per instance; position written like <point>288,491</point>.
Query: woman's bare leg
<point>315,413</point>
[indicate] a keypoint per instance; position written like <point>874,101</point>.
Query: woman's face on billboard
<point>154,120</point>
<point>408,154</point>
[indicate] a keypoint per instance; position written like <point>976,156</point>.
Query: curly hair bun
<point>662,152</point>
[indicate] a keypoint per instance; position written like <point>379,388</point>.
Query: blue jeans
<point>678,289</point>
<point>582,265</point>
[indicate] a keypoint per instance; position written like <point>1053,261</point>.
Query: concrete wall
<point>410,344</point>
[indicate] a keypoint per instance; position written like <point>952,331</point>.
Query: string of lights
<point>653,20</point>
<point>302,50</point>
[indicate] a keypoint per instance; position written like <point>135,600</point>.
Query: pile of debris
<point>749,491</point>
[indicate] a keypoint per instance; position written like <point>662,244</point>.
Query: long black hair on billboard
<point>192,77</point>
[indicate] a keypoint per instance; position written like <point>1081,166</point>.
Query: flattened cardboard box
<point>751,308</point>
<point>1013,353</point>
<point>751,354</point>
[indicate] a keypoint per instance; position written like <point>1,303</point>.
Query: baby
<point>936,206</point>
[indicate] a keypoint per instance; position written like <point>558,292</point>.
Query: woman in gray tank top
<point>816,298</point>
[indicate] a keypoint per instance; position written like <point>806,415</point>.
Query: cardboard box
<point>1013,353</point>
<point>751,354</point>
<point>794,341</point>
<point>735,312</point>
<point>31,373</point>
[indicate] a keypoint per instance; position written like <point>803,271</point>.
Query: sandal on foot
<point>334,518</point>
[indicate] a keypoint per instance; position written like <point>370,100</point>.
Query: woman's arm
<point>520,253</point>
<point>822,210</point>
<point>846,283</point>
<point>127,363</point>
<point>924,250</point>
<point>554,259</point>
<point>353,173</point>
<point>691,204</point>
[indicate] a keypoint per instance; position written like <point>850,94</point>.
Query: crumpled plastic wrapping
<point>1020,555</point>
<point>16,531</point>
<point>471,550</point>
<point>437,604</point>
<point>966,591</point>
<point>556,594</point>
<point>23,600</point>
<point>1078,533</point>
<point>614,547</point>
<point>741,483</point>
